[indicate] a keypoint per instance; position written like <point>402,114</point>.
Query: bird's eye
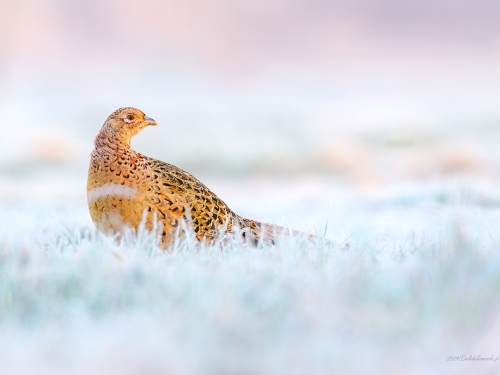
<point>130,117</point>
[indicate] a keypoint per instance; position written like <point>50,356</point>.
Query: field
<point>412,282</point>
<point>375,123</point>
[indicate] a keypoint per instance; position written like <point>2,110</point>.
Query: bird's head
<point>127,122</point>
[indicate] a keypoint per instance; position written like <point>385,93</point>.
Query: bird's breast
<point>114,198</point>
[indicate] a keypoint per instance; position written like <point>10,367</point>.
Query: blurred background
<point>322,96</point>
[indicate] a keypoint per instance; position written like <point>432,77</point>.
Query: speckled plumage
<point>125,187</point>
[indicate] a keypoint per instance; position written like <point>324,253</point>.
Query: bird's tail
<point>268,233</point>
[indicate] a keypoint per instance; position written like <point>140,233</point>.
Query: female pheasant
<point>124,188</point>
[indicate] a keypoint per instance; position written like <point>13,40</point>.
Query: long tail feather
<point>268,233</point>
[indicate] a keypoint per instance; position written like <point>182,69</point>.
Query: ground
<point>416,285</point>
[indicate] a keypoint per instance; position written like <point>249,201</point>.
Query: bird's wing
<point>181,195</point>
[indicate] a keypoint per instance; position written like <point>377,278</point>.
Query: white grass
<point>416,286</point>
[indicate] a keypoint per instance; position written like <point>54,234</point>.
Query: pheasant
<point>126,188</point>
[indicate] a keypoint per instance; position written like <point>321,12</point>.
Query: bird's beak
<point>150,121</point>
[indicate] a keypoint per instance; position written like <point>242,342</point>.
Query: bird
<point>126,189</point>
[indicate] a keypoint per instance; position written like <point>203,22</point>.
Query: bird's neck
<point>110,141</point>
